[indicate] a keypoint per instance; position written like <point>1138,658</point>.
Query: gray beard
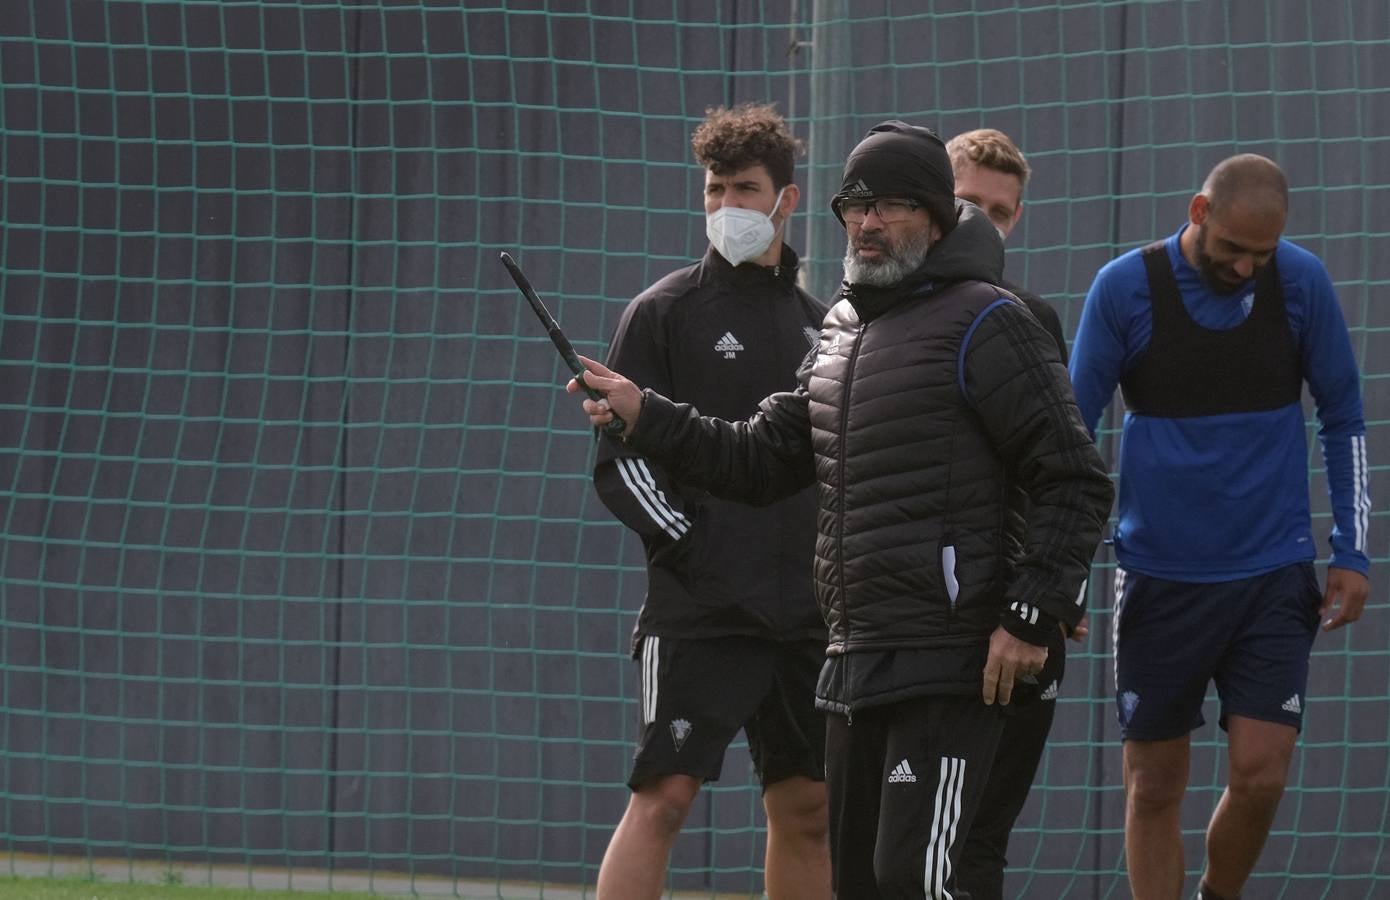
<point>888,270</point>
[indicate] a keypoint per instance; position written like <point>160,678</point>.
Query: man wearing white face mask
<point>729,636</point>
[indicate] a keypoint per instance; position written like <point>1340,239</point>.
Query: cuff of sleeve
<point>1356,562</point>
<point>641,408</point>
<point>627,438</point>
<point>1028,623</point>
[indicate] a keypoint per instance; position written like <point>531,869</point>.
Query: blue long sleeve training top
<point>1223,497</point>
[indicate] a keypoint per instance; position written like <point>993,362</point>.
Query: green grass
<point>13,888</point>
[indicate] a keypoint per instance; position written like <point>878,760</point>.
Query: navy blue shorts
<point>1252,637</point>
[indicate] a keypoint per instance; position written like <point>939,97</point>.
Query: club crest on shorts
<point>680,730</point>
<point>1129,702</point>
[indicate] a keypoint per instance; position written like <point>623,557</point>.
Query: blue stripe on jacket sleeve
<point>965,345</point>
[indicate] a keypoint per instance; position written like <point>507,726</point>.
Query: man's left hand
<point>1009,658</point>
<point>1344,598</point>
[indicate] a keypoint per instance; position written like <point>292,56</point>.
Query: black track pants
<point>905,781</point>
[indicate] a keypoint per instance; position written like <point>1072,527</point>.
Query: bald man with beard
<point>1211,335</point>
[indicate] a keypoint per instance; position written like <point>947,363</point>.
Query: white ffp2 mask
<point>741,234</point>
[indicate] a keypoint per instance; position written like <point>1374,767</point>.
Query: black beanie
<point>896,159</point>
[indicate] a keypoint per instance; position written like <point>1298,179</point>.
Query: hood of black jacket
<point>972,251</point>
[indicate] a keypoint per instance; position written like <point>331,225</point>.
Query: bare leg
<point>634,865</point>
<point>1260,753</point>
<point>798,840</point>
<point>1155,781</point>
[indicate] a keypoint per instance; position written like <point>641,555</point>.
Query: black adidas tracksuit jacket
<point>721,338</point>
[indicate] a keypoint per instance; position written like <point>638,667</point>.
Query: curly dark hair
<point>729,140</point>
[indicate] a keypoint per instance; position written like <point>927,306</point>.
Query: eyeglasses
<point>889,211</point>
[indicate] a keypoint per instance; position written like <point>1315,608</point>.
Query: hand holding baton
<point>616,426</point>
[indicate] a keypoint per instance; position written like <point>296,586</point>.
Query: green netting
<point>303,578</point>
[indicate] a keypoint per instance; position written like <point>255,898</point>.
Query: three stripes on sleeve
<point>639,480</point>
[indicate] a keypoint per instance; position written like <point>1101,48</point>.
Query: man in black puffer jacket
<point>960,502</point>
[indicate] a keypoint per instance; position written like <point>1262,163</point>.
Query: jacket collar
<point>716,268</point>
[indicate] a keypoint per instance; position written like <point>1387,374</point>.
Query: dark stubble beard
<point>1208,269</point>
<point>898,259</point>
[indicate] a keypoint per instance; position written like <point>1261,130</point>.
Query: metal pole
<point>829,140</point>
<point>794,47</point>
